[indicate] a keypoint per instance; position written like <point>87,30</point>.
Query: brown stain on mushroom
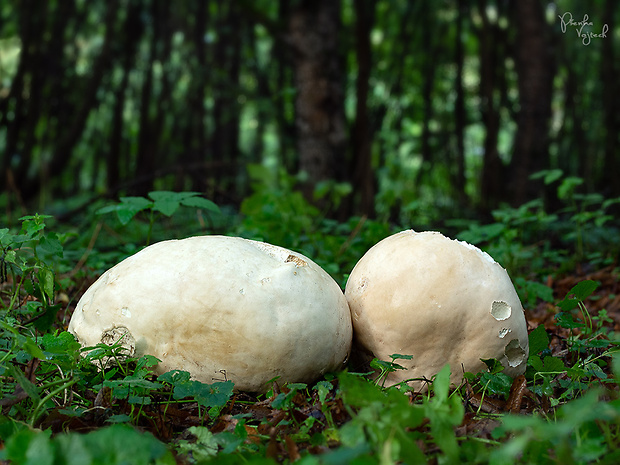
<point>296,260</point>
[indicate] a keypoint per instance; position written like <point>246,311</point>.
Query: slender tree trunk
<point>535,77</point>
<point>132,32</point>
<point>145,159</point>
<point>88,97</point>
<point>20,136</point>
<point>611,160</point>
<point>459,107</point>
<point>224,138</point>
<point>194,127</point>
<point>284,80</point>
<point>322,137</point>
<point>492,181</point>
<point>363,176</point>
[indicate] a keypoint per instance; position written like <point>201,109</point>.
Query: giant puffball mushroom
<point>440,300</point>
<point>221,308</point>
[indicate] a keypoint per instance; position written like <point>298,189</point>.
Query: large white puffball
<point>440,300</point>
<point>221,308</point>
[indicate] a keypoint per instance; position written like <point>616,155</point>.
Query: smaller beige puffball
<point>221,308</point>
<point>440,300</point>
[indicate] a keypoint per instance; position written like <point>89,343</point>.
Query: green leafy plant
<point>212,397</point>
<point>384,368</point>
<point>116,444</point>
<point>24,263</point>
<point>159,203</point>
<point>587,213</point>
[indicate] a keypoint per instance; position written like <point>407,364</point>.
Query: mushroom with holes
<point>221,308</point>
<point>440,300</point>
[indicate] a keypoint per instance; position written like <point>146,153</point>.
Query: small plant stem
<point>42,402</point>
<point>15,295</point>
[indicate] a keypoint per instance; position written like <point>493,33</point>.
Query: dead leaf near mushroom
<point>440,300</point>
<point>216,304</point>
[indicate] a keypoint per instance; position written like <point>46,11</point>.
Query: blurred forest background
<point>409,111</point>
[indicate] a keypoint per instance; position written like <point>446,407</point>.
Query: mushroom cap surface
<point>440,300</point>
<point>221,308</point>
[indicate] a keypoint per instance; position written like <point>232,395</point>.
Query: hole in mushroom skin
<point>120,335</point>
<point>503,332</point>
<point>500,310</point>
<point>514,353</point>
<point>116,335</point>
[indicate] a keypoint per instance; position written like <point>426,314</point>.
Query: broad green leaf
<point>46,281</point>
<point>493,365</point>
<point>441,384</point>
<point>538,340</point>
<point>444,412</point>
<point>323,387</point>
<point>121,444</point>
<point>568,304</point>
<point>165,202</point>
<point>60,344</point>
<point>358,391</point>
<point>534,290</point>
<point>146,361</point>
<point>174,377</point>
<point>46,319</point>
<point>214,395</point>
<point>204,447</point>
<point>549,364</point>
<point>584,289</point>
<point>388,367</point>
<point>50,245</point>
<point>567,186</point>
<point>73,450</point>
<point>553,175</point>
<point>28,447</point>
<point>127,209</point>
<point>5,237</point>
<point>566,320</point>
<point>200,202</point>
<point>497,383</point>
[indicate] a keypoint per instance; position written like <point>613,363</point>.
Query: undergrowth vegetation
<point>63,404</point>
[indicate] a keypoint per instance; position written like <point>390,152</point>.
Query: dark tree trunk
<point>322,136</point>
<point>224,139</point>
<point>145,158</point>
<point>196,128</point>
<point>284,80</point>
<point>459,107</point>
<point>132,32</point>
<point>20,136</point>
<point>88,97</point>
<point>534,64</point>
<point>611,159</point>
<point>363,176</point>
<point>492,180</point>
<point>428,64</point>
